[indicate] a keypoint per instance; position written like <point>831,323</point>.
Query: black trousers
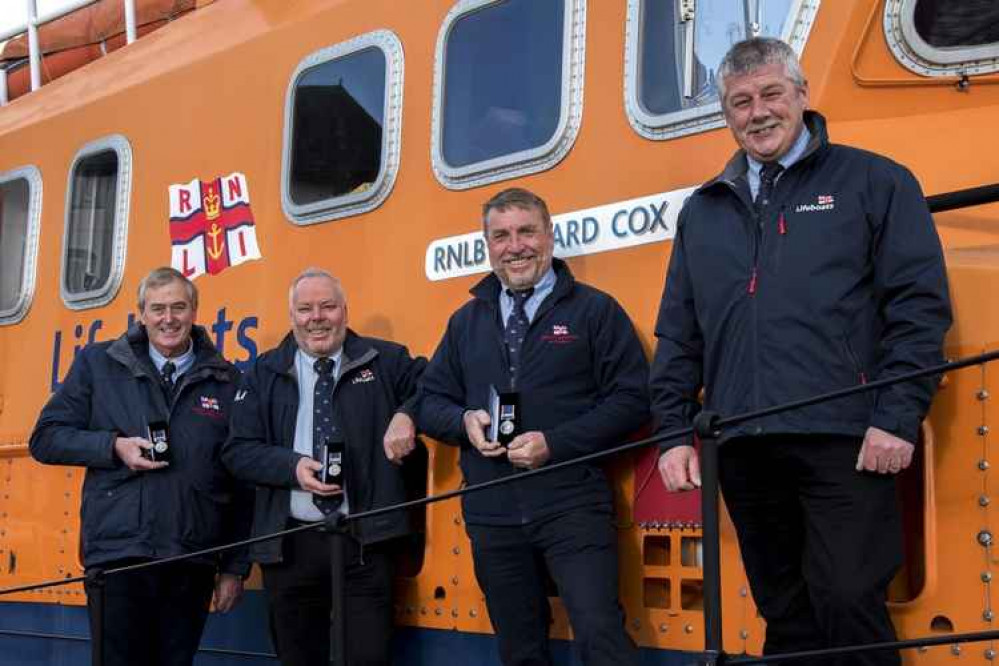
<point>820,541</point>
<point>301,601</point>
<point>153,616</point>
<point>579,550</point>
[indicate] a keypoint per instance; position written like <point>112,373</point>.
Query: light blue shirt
<point>183,362</point>
<point>790,157</point>
<point>541,290</point>
<point>302,507</point>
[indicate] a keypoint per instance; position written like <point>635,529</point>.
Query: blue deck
<point>245,630</point>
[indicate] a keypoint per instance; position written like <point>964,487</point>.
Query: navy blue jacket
<point>839,282</point>
<point>377,379</point>
<point>113,390</point>
<point>582,383</point>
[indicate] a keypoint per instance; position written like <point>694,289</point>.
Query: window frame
<point>26,293</point>
<point>915,54</point>
<point>347,205</point>
<point>522,162</point>
<point>123,195</point>
<point>665,126</point>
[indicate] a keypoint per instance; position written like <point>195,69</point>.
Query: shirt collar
<point>181,363</point>
<point>309,360</point>
<point>790,157</point>
<point>543,286</point>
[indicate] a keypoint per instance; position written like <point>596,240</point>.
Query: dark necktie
<point>323,426</point>
<point>768,176</point>
<point>516,327</point>
<point>166,374</point>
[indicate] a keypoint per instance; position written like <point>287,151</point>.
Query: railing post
<point>96,586</point>
<point>707,431</point>
<point>130,31</point>
<point>34,50</point>
<point>338,589</point>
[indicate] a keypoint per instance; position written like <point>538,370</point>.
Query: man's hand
<point>400,438</point>
<point>528,450</point>
<point>130,449</point>
<point>305,472</point>
<point>680,469</point>
<point>228,590</point>
<point>476,423</point>
<point>884,453</point>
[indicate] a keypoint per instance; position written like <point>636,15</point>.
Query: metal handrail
<point>34,49</point>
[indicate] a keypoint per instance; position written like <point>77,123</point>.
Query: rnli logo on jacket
<point>822,202</point>
<point>208,406</point>
<point>560,335</point>
<point>363,377</point>
<point>211,225</point>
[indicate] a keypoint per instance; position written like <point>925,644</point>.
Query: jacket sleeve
<point>621,372</point>
<point>248,453</point>
<point>911,285</point>
<point>406,378</point>
<point>442,393</point>
<point>61,435</point>
<point>677,364</point>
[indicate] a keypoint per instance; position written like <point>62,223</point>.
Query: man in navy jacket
<point>574,360</point>
<point>803,268</point>
<point>370,401</point>
<point>164,370</point>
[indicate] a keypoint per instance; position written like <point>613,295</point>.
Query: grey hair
<point>162,276</point>
<point>751,54</point>
<point>516,197</point>
<point>313,272</point>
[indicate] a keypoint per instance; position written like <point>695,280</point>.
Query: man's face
<point>765,111</point>
<point>520,246</point>
<point>168,316</point>
<point>318,316</point>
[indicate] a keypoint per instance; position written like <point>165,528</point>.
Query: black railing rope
<point>708,426</point>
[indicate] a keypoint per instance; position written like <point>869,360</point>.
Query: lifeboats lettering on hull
<point>86,333</point>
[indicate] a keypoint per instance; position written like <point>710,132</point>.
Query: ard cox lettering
<point>614,226</point>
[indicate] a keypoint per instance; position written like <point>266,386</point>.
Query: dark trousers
<point>301,601</point>
<point>153,616</point>
<point>820,541</point>
<point>579,550</point>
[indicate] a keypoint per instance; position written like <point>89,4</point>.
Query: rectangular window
<point>341,136</point>
<point>20,195</point>
<point>501,117</point>
<point>938,38</point>
<point>96,223</point>
<point>674,50</point>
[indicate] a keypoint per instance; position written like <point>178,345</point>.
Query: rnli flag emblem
<point>211,225</point>
<point>210,404</point>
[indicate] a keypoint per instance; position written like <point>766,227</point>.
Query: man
<point>804,267</point>
<point>324,384</point>
<point>164,375</point>
<point>571,355</point>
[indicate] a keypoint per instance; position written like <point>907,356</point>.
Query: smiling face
<point>765,111</point>
<point>318,316</point>
<point>168,315</point>
<point>520,246</point>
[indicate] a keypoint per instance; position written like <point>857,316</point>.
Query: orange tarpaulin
<point>96,23</point>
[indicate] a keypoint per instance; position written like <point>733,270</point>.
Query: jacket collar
<point>735,170</point>
<point>487,289</point>
<point>356,352</point>
<point>132,351</point>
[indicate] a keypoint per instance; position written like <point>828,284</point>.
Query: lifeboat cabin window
<point>673,49</point>
<point>96,223</point>
<point>20,210</point>
<point>507,88</point>
<point>943,37</point>
<point>343,116</point>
